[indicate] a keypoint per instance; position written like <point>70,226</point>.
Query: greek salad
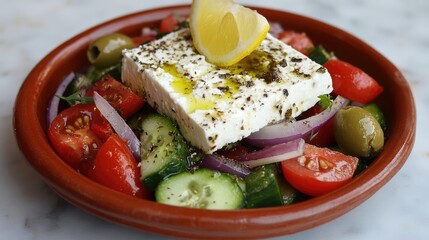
<point>108,132</point>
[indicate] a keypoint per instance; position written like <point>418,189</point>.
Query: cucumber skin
<point>177,161</point>
<point>377,113</point>
<point>289,194</point>
<point>237,185</point>
<point>319,55</point>
<point>266,188</point>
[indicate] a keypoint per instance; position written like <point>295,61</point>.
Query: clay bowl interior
<point>40,85</point>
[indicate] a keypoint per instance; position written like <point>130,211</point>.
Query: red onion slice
<point>118,124</point>
<point>55,101</point>
<point>273,154</point>
<point>223,164</point>
<point>287,131</point>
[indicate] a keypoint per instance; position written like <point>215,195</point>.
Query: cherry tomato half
<point>319,170</point>
<point>352,82</point>
<point>299,41</point>
<point>115,167</point>
<point>72,136</point>
<point>118,95</point>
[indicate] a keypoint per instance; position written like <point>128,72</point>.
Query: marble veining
<point>30,29</point>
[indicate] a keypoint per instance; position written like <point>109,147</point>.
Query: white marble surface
<point>30,29</point>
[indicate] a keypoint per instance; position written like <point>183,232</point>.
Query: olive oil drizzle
<point>184,85</point>
<point>258,65</point>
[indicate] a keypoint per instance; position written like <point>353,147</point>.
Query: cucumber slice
<point>266,188</point>
<point>203,188</point>
<point>319,55</point>
<point>164,151</point>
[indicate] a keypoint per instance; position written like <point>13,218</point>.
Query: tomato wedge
<point>168,24</point>
<point>115,167</point>
<point>352,82</point>
<point>72,136</point>
<point>300,41</point>
<point>325,136</point>
<point>123,99</point>
<point>319,170</point>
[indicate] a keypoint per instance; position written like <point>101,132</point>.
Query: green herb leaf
<point>94,74</point>
<point>325,101</point>
<point>183,24</point>
<point>76,98</point>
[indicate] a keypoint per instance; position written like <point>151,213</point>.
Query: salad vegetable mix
<point>108,133</point>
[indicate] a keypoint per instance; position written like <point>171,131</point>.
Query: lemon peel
<point>224,31</point>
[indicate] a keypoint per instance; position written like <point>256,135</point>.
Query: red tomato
<point>300,41</point>
<point>352,83</point>
<point>115,167</point>
<point>319,170</point>
<point>101,127</point>
<point>118,95</point>
<point>141,39</point>
<point>72,136</point>
<point>235,152</point>
<point>325,136</point>
<point>169,24</point>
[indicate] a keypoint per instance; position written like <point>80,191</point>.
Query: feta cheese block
<point>214,105</point>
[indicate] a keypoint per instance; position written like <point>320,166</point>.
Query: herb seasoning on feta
<point>214,105</point>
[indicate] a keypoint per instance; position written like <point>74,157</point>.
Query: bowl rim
<point>141,214</point>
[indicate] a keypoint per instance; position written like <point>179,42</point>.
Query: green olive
<point>357,132</point>
<point>107,50</point>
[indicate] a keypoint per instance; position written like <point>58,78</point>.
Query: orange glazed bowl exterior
<point>31,133</point>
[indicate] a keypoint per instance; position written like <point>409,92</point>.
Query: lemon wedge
<point>224,31</point>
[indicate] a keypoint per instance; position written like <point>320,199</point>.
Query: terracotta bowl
<point>40,85</point>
